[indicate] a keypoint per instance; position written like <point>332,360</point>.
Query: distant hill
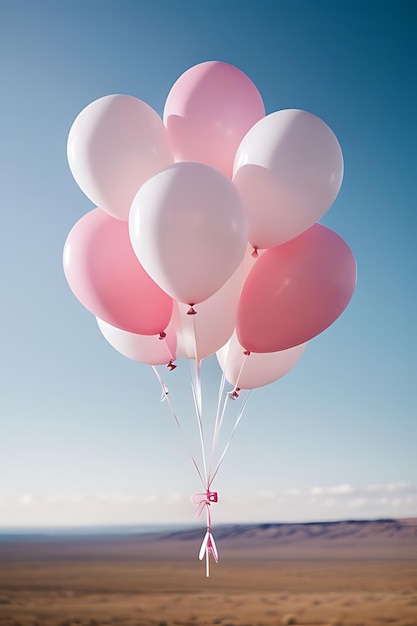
<point>382,538</point>
<point>293,532</point>
<point>347,540</point>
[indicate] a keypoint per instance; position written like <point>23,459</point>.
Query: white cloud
<point>175,498</point>
<point>357,503</point>
<point>390,487</point>
<point>292,491</point>
<point>124,498</point>
<point>267,495</point>
<point>341,489</point>
<point>25,500</point>
<point>66,499</point>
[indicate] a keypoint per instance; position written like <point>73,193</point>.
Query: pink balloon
<point>115,144</point>
<point>255,370</point>
<point>295,291</point>
<point>106,277</point>
<point>148,349</point>
<point>188,228</point>
<point>289,169</point>
<point>208,111</point>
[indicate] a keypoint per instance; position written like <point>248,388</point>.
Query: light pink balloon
<point>255,370</point>
<point>289,169</point>
<point>115,144</point>
<point>188,228</point>
<point>106,277</point>
<point>295,291</point>
<point>203,334</point>
<point>208,111</point>
<point>148,349</point>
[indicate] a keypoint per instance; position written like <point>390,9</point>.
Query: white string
<point>177,421</point>
<point>196,388</point>
<point>220,416</point>
<point>239,417</point>
<point>219,412</point>
<point>197,397</point>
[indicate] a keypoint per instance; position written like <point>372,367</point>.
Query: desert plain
<point>352,573</point>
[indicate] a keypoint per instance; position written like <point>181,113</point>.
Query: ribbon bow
<point>202,500</point>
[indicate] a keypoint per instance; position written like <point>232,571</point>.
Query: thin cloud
<point>292,491</point>
<point>390,487</point>
<point>25,500</point>
<point>319,502</point>
<point>358,503</point>
<point>343,489</point>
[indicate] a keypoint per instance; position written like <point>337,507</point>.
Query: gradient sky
<point>83,435</point>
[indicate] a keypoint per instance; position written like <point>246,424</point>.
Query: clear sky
<point>83,435</point>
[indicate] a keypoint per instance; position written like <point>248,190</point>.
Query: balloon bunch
<point>205,237</point>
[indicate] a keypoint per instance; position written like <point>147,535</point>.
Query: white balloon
<point>115,144</point>
<point>255,370</point>
<point>188,228</point>
<point>148,349</point>
<point>289,169</point>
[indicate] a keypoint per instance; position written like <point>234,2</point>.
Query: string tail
<point>211,545</point>
<point>203,548</point>
<point>208,549</point>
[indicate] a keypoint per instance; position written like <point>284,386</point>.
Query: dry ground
<point>266,577</point>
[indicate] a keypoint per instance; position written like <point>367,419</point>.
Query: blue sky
<point>83,435</point>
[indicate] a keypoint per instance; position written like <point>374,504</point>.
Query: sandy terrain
<point>340,574</point>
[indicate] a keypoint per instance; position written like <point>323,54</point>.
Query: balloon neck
<point>191,310</point>
<point>246,353</point>
<point>255,252</point>
<point>162,335</point>
<point>171,366</point>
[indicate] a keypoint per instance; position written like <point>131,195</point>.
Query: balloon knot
<point>235,393</point>
<point>171,366</point>
<point>162,335</point>
<point>246,353</point>
<point>191,310</point>
<point>255,253</point>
